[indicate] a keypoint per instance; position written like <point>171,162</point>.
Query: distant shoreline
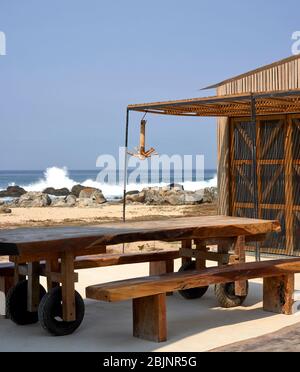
<point>55,177</point>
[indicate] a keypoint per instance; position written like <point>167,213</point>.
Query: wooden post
<point>33,293</point>
<point>289,199</point>
<point>68,287</point>
<point>239,250</point>
<point>278,294</point>
<point>17,276</point>
<point>143,136</point>
<point>150,318</point>
<point>224,248</point>
<point>223,166</point>
<point>186,244</point>
<point>52,266</point>
<point>200,262</point>
<point>259,167</point>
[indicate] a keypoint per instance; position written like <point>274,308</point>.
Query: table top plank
<point>28,240</point>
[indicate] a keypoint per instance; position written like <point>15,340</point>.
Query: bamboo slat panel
<point>283,76</point>
<point>278,171</point>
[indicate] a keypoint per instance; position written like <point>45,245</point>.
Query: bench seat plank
<point>154,285</point>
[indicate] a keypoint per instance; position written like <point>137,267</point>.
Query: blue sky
<point>72,66</point>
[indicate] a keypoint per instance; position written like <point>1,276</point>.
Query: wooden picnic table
<point>59,247</point>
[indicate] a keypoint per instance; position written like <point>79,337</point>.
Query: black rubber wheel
<point>226,297</point>
<point>16,304</point>
<point>193,293</point>
<point>50,313</point>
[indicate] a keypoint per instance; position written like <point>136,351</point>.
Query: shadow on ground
<point>286,340</point>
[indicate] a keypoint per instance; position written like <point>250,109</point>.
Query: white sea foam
<point>60,178</point>
<point>53,177</point>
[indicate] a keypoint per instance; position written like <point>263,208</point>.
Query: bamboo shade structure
<point>236,105</point>
<point>266,182</point>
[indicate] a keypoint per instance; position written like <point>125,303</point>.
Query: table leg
<point>186,244</point>
<point>68,287</point>
<point>200,262</point>
<point>52,267</point>
<point>33,293</point>
<point>224,249</point>
<point>17,276</point>
<point>240,253</point>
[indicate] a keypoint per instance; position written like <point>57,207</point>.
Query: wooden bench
<point>149,293</point>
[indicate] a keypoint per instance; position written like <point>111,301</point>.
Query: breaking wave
<point>60,178</point>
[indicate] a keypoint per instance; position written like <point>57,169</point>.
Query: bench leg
<point>239,250</point>
<point>6,283</point>
<point>150,318</point>
<point>278,294</point>
<point>68,287</point>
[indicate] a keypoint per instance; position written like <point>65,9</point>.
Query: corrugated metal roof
<point>252,72</point>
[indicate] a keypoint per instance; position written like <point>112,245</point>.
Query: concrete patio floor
<point>198,325</point>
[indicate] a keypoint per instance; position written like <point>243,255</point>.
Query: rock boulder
<point>56,192</point>
<point>176,186</point>
<point>94,196</point>
<point>193,198</point>
<point>5,210</point>
<point>136,198</point>
<point>210,195</point>
<point>175,198</point>
<point>58,202</point>
<point>71,201</point>
<point>34,199</point>
<point>77,189</point>
<point>12,192</point>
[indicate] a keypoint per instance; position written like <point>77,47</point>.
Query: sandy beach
<point>105,213</point>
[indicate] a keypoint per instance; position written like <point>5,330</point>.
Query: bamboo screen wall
<point>278,157</point>
<point>278,171</point>
<point>283,75</point>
